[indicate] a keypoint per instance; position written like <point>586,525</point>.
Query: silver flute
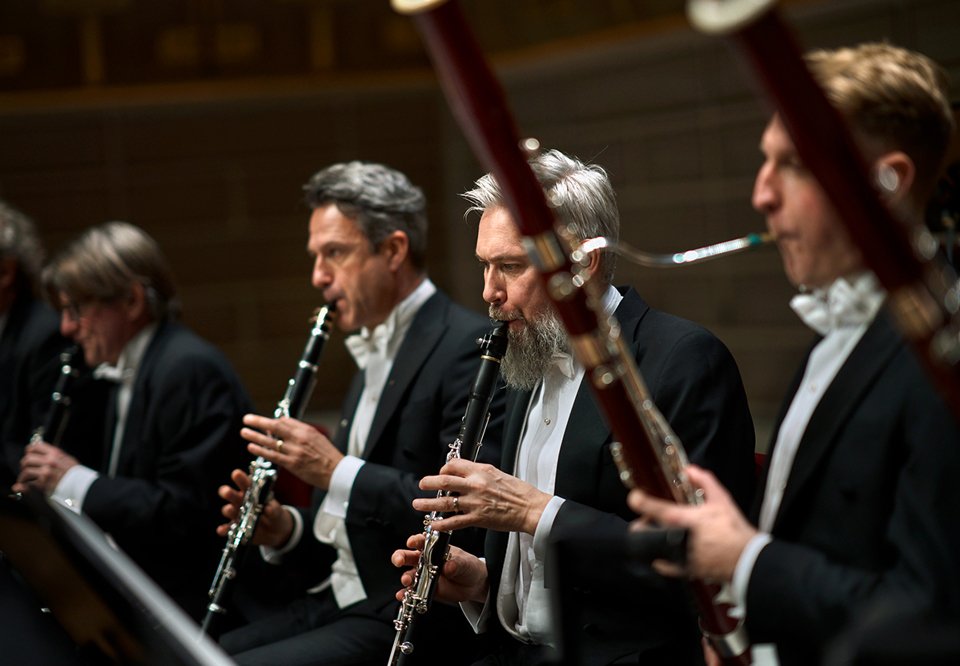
<point>416,599</point>
<point>642,258</point>
<point>263,475</point>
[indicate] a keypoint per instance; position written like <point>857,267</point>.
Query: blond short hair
<point>893,95</point>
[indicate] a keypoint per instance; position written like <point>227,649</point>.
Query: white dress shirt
<point>841,313</point>
<point>374,353</point>
<point>72,488</point>
<point>522,601</point>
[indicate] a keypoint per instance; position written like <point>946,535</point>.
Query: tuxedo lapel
<point>425,332</point>
<point>845,393</point>
<point>342,437</point>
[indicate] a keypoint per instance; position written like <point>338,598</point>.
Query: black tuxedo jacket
<point>180,443</point>
<point>869,518</point>
<point>696,384</point>
<point>29,324</point>
<point>416,420</point>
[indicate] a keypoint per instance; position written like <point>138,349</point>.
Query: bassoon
<point>263,474</point>
<point>923,291</point>
<point>652,456</point>
<point>417,598</point>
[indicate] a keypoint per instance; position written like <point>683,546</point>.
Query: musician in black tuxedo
<point>25,322</point>
<point>558,470</point>
<point>856,519</point>
<point>173,422</point>
<point>417,355</point>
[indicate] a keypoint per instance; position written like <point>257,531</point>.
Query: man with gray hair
<point>25,322</point>
<point>556,447</point>
<point>417,355</point>
<point>172,422</point>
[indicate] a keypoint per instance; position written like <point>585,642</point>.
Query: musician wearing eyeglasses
<point>172,421</point>
<point>558,470</point>
<point>857,513</point>
<point>416,353</point>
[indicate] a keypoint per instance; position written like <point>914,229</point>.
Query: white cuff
<point>73,487</point>
<point>273,555</point>
<point>477,613</point>
<point>542,536</point>
<point>744,568</point>
<point>341,483</point>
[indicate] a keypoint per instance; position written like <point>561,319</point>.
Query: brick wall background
<point>213,171</point>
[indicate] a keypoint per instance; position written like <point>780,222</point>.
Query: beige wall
<point>214,173</point>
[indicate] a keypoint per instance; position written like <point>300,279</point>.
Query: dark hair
<point>380,199</point>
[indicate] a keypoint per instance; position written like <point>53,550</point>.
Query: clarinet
<point>263,475</point>
<point>416,600</point>
<point>654,454</point>
<point>58,413</point>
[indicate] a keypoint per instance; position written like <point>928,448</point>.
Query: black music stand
<point>111,610</point>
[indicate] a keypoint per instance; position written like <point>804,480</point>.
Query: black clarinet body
<point>417,599</point>
<point>58,413</point>
<point>263,475</point>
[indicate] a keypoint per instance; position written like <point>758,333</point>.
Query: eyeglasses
<point>76,310</point>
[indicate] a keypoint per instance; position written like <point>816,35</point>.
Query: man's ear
<point>397,247</point>
<point>594,266</point>
<point>894,174</point>
<point>136,304</point>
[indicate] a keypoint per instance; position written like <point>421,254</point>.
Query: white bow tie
<point>366,345</point>
<point>842,304</point>
<point>565,364</point>
<point>111,373</point>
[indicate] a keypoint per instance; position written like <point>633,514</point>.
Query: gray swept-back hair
<point>19,239</point>
<point>581,193</point>
<point>103,263</point>
<point>380,199</point>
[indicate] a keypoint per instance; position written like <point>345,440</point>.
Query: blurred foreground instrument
<point>654,454</point>
<point>263,475</point>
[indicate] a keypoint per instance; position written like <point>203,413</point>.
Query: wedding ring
<point>279,445</point>
<point>456,504</point>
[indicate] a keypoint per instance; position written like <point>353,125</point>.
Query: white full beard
<point>532,349</point>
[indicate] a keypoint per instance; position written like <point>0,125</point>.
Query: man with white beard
<point>556,447</point>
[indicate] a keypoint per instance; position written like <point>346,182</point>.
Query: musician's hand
<point>718,529</point>
<point>710,656</point>
<point>275,525</point>
<point>463,576</point>
<point>487,498</point>
<point>42,466</point>
<point>302,448</point>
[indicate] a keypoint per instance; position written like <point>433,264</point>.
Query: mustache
<point>496,313</point>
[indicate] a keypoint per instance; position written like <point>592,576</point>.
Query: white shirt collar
<point>130,357</point>
<point>850,301</point>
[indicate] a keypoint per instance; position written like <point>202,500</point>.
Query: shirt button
<point>547,421</point>
<point>813,388</point>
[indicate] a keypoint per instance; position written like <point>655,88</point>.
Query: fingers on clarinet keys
<point>456,504</point>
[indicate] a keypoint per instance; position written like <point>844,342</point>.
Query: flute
<point>416,600</point>
<point>263,475</point>
<point>480,107</point>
